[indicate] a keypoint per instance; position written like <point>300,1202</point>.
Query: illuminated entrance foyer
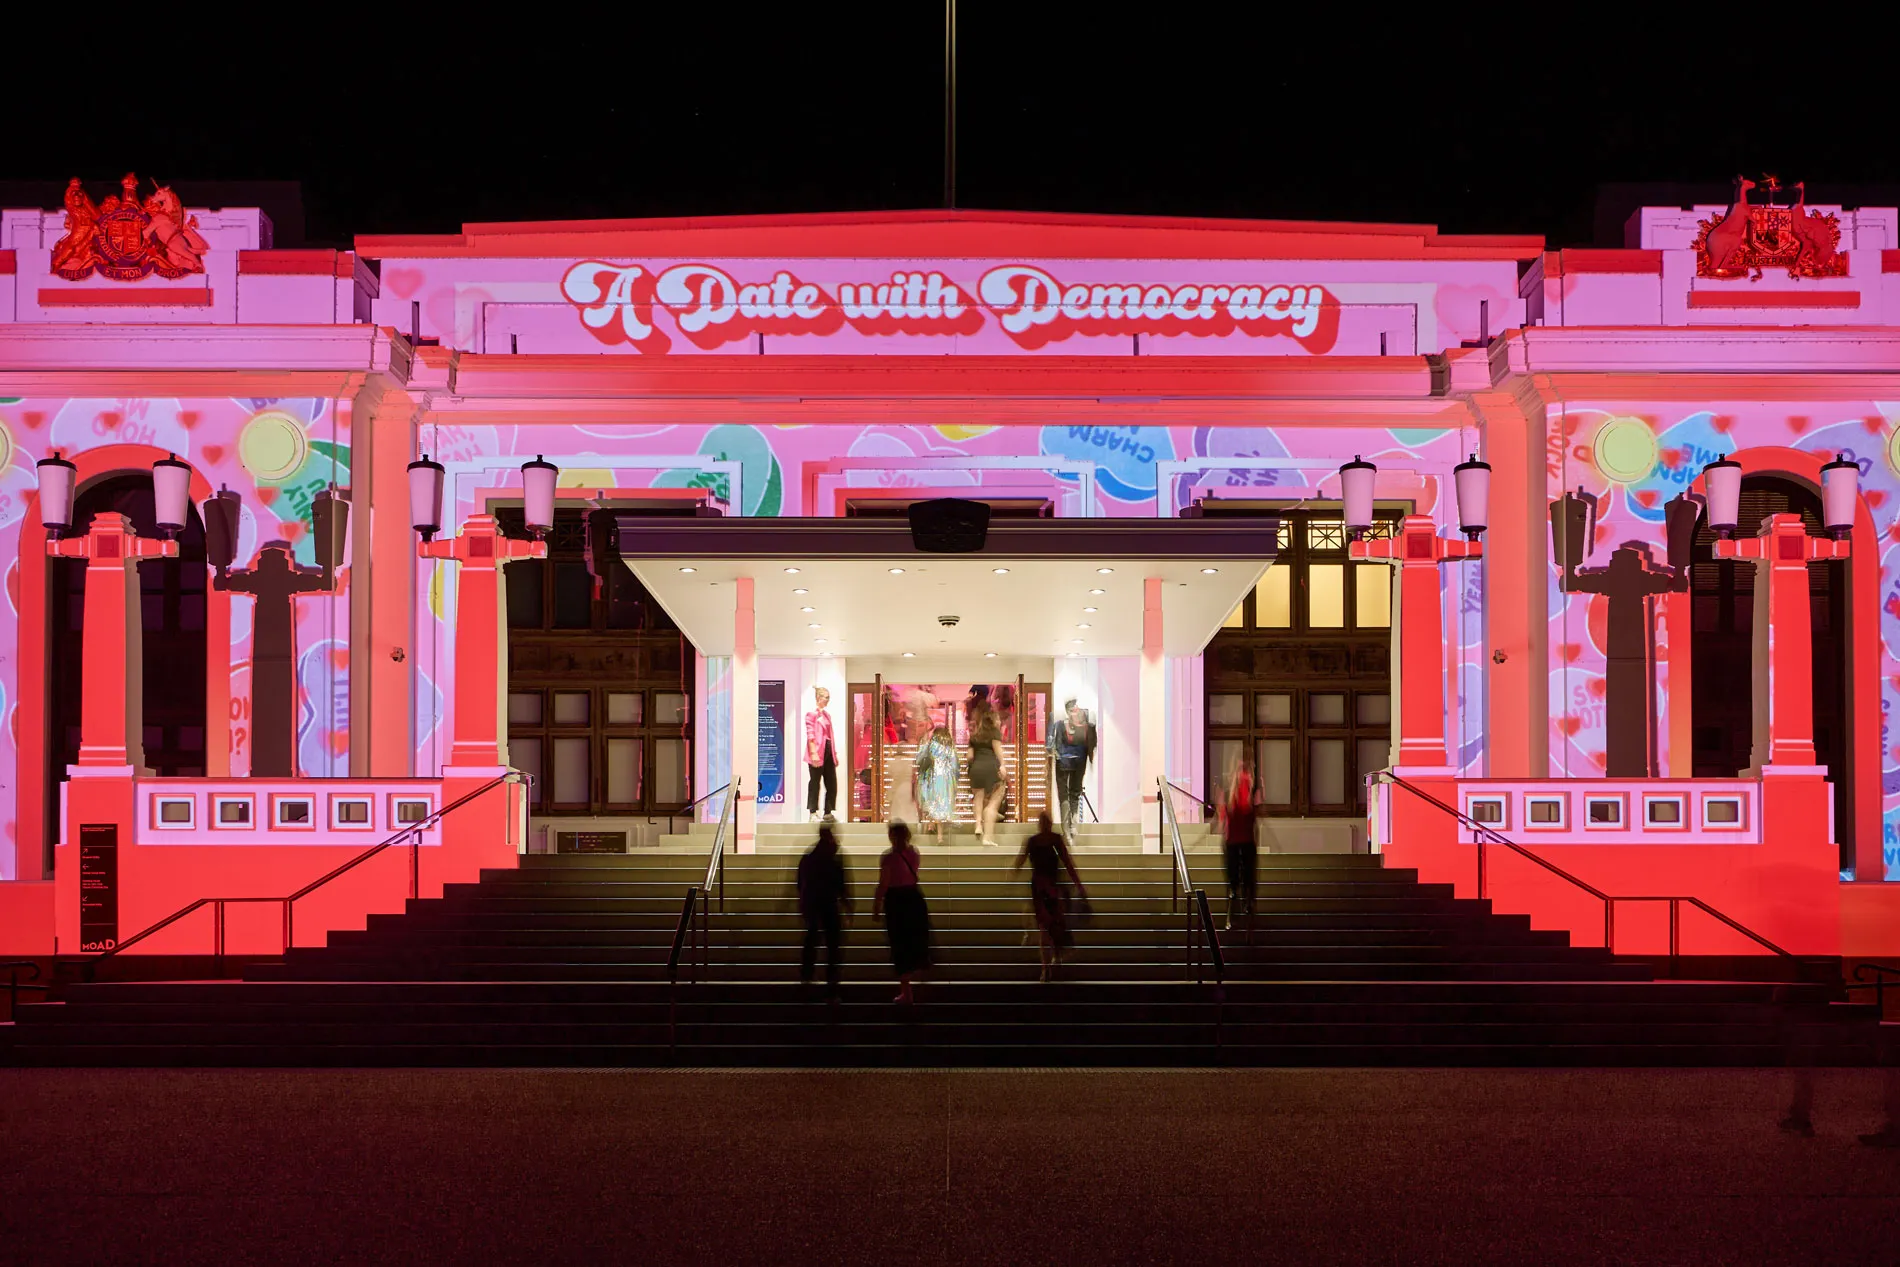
<point>1113,614</point>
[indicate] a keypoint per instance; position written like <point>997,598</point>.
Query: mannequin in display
<point>821,757</point>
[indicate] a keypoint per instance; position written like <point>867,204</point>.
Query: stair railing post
<point>217,937</point>
<point>1609,924</point>
<point>1675,933</point>
<point>415,865</point>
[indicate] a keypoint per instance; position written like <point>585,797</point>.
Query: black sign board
<point>98,886</point>
<point>590,842</point>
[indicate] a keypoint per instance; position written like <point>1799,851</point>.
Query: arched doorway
<point>1722,592</point>
<point>172,609</point>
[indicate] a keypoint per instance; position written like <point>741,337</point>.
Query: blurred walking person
<point>824,899</point>
<point>1240,849</point>
<point>1048,857</point>
<point>1072,742</point>
<point>937,780</point>
<point>986,770</point>
<point>900,902</point>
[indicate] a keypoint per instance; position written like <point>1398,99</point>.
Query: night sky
<point>1478,121</point>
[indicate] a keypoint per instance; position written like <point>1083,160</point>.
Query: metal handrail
<point>716,862</point>
<point>1877,982</point>
<point>681,932</point>
<point>686,809</point>
<point>412,833</point>
<point>15,985</point>
<point>1207,806</point>
<point>1488,835</point>
<point>1084,799</point>
<point>1198,909</point>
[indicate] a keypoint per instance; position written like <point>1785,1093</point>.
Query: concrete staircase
<point>562,961</point>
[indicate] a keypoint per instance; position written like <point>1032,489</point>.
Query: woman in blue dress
<point>937,779</point>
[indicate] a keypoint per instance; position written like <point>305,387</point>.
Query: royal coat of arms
<point>125,239</point>
<point>1757,236</point>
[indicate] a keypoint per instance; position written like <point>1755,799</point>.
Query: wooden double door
<point>887,722</point>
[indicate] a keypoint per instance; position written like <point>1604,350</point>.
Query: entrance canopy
<point>846,587</point>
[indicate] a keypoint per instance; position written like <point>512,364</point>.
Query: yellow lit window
<point>1326,596</point>
<point>1373,584</point>
<point>1273,599</point>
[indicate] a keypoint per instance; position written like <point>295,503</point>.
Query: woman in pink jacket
<point>821,757</point>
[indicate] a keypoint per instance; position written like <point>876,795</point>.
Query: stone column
<point>745,716</point>
<point>480,676</point>
<point>1152,761</point>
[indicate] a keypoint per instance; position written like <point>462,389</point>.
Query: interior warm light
<point>791,571</point>
<point>1000,571</point>
<point>1091,610</point>
<point>910,655</point>
<point>801,591</point>
<point>1105,571</point>
<point>689,569</point>
<point>896,571</point>
<point>989,655</point>
<point>1209,571</point>
<point>1098,591</point>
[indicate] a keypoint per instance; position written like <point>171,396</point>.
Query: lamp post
<point>111,728</point>
<point>482,551</point>
<point>1629,582</point>
<point>1784,642</point>
<point>274,580</point>
<point>1417,551</point>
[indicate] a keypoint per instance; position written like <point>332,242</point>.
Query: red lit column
<point>481,551</point>
<point>1784,643</point>
<point>1417,550</point>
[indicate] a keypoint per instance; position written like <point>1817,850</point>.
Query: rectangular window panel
<point>1373,591</point>
<point>1374,756</point>
<point>1326,596</point>
<point>1326,708</point>
<point>573,596</point>
<point>625,708</point>
<point>524,754</point>
<point>1374,709</point>
<point>623,771</point>
<point>1326,771</point>
<point>1273,599</point>
<point>524,580</point>
<point>669,772</point>
<point>572,708</point>
<point>669,708</point>
<point>572,770</point>
<point>1273,709</point>
<point>1275,765</point>
<point>524,708</point>
<point>1237,618</point>
<point>626,602</point>
<point>1223,758</point>
<point>1227,710</point>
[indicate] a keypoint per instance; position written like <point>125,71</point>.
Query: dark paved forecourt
<point>928,1167</point>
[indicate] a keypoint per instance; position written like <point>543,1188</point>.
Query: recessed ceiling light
<point>896,571</point>
<point>910,655</point>
<point>689,569</point>
<point>1098,591</point>
<point>1105,571</point>
<point>1209,571</point>
<point>1074,654</point>
<point>808,609</point>
<point>824,653</point>
<point>1000,571</point>
<point>1077,640</point>
<point>791,571</point>
<point>1091,609</point>
<point>820,640</point>
<point>801,591</point>
<point>1085,625</point>
<point>814,625</point>
<point>989,655</point>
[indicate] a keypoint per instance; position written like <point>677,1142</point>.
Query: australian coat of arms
<point>125,239</point>
<point>1755,236</point>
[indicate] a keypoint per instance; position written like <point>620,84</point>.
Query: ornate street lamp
<point>1840,495</point>
<point>538,479</point>
<point>1723,478</point>
<point>171,495</point>
<point>56,477</point>
<point>1473,481</point>
<point>425,496</point>
<point>1356,481</point>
